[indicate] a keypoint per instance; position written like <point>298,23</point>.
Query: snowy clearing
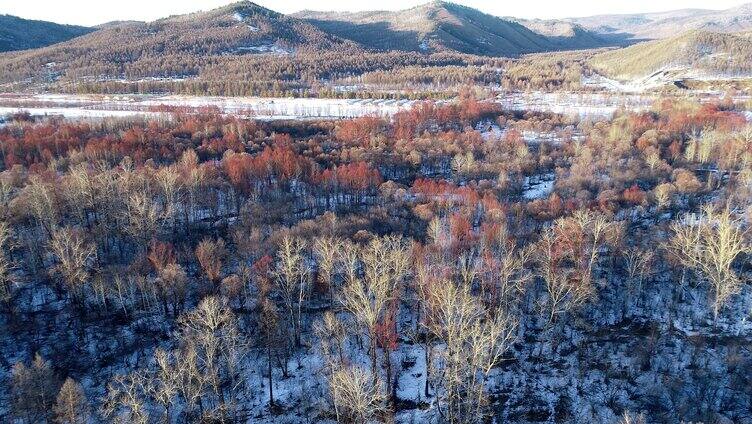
<point>73,106</point>
<point>264,48</point>
<point>582,105</point>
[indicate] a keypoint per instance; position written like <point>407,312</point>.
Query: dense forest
<point>452,263</point>
<point>391,74</point>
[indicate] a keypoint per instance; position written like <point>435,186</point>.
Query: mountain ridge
<point>443,25</point>
<point>658,25</point>
<point>21,34</point>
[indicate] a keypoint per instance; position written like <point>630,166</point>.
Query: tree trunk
<point>269,370</point>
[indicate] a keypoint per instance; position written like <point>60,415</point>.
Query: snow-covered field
<point>591,105</point>
<point>76,112</point>
<point>594,105</point>
<point>83,106</point>
<point>74,106</point>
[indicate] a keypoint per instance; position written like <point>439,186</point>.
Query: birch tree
<point>384,263</point>
<point>709,246</point>
<point>326,250</point>
<point>473,341</point>
<point>74,259</point>
<point>293,278</point>
<point>567,255</point>
<point>355,396</point>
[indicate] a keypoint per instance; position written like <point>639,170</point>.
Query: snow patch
<point>591,105</point>
<point>538,186</point>
<point>640,85</point>
<point>264,48</point>
<point>240,18</point>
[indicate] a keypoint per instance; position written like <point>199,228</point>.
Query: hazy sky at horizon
<point>93,12</point>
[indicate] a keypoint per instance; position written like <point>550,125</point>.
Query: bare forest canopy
<point>451,264</point>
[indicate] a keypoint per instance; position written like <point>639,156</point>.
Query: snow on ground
<point>491,131</point>
<point>260,108</point>
<point>264,48</point>
<point>412,376</point>
<point>594,105</point>
<point>590,105</point>
<point>640,85</point>
<point>661,78</point>
<point>538,187</point>
<point>75,112</point>
<point>240,18</point>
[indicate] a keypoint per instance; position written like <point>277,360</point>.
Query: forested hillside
<point>695,53</point>
<point>22,34</point>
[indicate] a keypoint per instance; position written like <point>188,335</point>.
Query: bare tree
<point>7,266</point>
<point>79,192</point>
<point>639,263</point>
<point>327,249</point>
<point>348,263</point>
<point>71,406</point>
<point>332,333</point>
<point>710,245</point>
<point>168,181</point>
<point>504,270</point>
<point>211,336</point>
<point>192,382</point>
<point>355,396</point>
<point>474,339</point>
<point>385,262</point>
<point>38,200</point>
<point>33,390</point>
<point>74,259</point>
<point>563,292</point>
<point>662,194</point>
<point>269,323</point>
<point>293,278</point>
<point>125,401</point>
<point>143,218</point>
<point>566,256</point>
<point>632,418</point>
<point>211,256</point>
<point>162,385</point>
<point>173,284</point>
